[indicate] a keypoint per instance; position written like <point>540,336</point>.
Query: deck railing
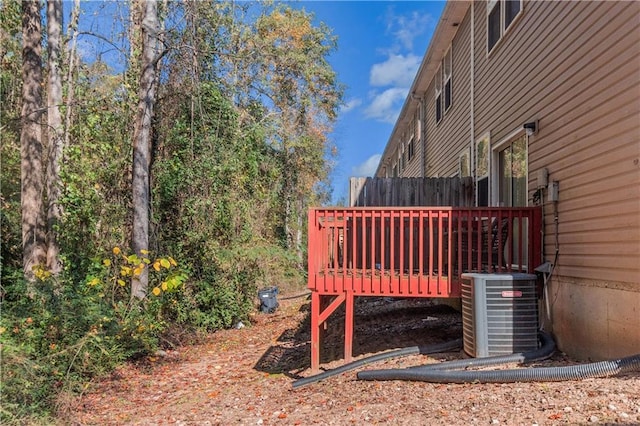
<point>417,251</point>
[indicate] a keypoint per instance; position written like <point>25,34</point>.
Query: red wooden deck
<point>409,252</point>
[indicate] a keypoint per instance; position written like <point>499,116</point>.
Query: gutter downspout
<point>473,129</point>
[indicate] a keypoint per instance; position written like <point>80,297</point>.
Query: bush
<point>60,332</point>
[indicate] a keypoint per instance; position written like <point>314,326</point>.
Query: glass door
<point>512,174</point>
<point>513,170</point>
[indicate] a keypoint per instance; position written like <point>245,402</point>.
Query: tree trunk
<point>141,143</point>
<point>73,27</point>
<point>54,100</point>
<point>33,235</point>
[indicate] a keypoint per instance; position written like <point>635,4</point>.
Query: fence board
<point>411,192</point>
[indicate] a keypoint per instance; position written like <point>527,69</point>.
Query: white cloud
<point>350,105</point>
<point>368,168</point>
<point>407,28</point>
<point>385,106</point>
<point>397,70</point>
<point>394,76</point>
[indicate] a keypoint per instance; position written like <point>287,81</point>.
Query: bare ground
<point>244,376</point>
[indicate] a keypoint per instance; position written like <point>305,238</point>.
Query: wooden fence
<point>411,192</point>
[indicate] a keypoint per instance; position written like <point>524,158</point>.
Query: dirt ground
<point>244,376</point>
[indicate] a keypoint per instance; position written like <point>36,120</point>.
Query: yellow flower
<point>122,283</point>
<point>165,263</point>
<point>156,265</point>
<point>107,262</point>
<point>116,250</point>
<point>164,286</point>
<point>156,291</point>
<point>138,270</point>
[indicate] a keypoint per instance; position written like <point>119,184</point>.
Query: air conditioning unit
<point>499,314</point>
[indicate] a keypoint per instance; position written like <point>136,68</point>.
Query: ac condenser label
<point>512,293</point>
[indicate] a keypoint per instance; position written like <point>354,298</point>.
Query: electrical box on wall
<point>554,189</point>
<point>543,177</point>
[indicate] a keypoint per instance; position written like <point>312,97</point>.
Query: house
<point>539,102</point>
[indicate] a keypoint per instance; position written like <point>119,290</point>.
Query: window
<point>410,149</point>
<point>439,95</point>
<point>500,16</point>
<point>446,66</point>
<point>464,169</point>
<point>482,171</point>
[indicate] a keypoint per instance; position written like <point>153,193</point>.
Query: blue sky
<point>380,47</point>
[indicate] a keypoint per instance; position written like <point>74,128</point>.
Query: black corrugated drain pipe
<point>451,372</point>
<point>413,350</point>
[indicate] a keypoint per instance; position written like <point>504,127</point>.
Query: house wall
<point>446,140</point>
<point>574,67</point>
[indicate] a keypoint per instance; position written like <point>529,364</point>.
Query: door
<point>512,172</point>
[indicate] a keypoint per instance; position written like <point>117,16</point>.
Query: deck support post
<point>315,331</point>
<point>348,326</point>
<point>320,313</point>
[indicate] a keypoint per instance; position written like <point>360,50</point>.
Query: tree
<point>33,227</point>
<point>54,118</point>
<point>142,144</point>
<point>305,94</point>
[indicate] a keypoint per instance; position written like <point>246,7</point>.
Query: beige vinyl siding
<point>447,139</point>
<point>574,66</point>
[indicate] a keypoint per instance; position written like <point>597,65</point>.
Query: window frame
<point>447,85</point>
<point>411,149</point>
<point>464,163</point>
<point>482,172</point>
<point>438,97</point>
<point>503,26</point>
<point>495,151</point>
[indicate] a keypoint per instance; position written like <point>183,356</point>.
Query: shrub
<point>56,335</point>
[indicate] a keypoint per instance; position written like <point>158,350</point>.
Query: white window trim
<point>503,31</point>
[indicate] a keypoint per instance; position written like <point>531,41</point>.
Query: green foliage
<point>54,340</point>
<point>10,100</point>
<point>240,150</point>
<point>219,191</point>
